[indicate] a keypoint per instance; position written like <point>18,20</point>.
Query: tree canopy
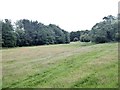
<point>104,31</point>
<point>31,33</point>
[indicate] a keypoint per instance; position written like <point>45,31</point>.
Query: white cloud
<point>70,15</point>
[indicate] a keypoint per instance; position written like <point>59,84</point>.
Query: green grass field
<point>73,65</point>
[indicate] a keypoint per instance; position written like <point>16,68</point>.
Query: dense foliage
<point>75,36</point>
<point>28,33</point>
<point>104,31</point>
<point>8,34</point>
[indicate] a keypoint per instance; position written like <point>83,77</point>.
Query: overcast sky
<point>70,15</point>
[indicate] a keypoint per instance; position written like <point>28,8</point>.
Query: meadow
<point>74,65</point>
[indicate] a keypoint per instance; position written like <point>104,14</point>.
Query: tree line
<point>104,31</point>
<point>30,33</point>
<point>26,32</point>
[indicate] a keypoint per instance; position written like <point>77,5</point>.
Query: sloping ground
<point>72,65</point>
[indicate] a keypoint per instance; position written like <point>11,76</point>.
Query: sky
<point>70,15</point>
